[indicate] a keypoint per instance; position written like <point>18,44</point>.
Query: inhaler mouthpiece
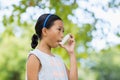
<point>65,39</point>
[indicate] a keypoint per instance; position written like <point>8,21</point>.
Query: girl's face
<point>55,34</point>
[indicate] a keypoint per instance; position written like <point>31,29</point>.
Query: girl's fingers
<point>71,38</point>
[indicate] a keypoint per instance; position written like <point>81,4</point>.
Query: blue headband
<point>44,25</point>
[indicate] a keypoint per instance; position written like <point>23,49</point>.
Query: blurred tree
<point>107,65</point>
<point>12,58</point>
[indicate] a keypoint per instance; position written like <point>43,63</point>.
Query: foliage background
<point>15,39</point>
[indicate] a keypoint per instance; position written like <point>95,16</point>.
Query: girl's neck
<point>44,48</point>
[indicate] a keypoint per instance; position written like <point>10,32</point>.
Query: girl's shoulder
<point>36,52</point>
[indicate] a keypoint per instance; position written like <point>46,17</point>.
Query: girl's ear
<point>44,31</point>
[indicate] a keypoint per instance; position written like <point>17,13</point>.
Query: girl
<point>42,64</point>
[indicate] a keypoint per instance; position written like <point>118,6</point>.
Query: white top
<point>52,68</point>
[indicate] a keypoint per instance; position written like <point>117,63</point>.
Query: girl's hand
<point>70,45</point>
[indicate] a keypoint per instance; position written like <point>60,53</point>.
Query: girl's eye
<point>60,29</point>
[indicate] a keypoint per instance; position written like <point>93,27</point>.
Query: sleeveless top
<point>52,67</point>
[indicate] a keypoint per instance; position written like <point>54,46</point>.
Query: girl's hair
<point>45,20</point>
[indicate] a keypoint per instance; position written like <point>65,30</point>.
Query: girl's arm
<point>33,67</point>
<point>73,72</point>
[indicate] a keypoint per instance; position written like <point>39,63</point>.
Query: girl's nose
<point>62,35</point>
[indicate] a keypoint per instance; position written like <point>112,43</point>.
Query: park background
<point>94,23</point>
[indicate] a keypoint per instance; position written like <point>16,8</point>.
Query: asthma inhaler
<point>65,39</point>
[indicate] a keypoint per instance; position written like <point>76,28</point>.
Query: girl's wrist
<point>71,53</point>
